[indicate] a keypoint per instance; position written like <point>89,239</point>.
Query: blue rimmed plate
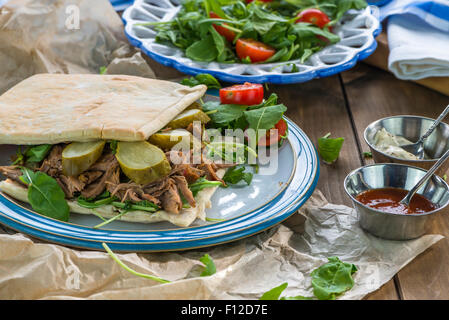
<point>357,32</point>
<point>272,197</point>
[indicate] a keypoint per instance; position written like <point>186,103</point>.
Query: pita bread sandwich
<point>100,144</point>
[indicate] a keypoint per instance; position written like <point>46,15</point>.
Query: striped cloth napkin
<point>418,38</point>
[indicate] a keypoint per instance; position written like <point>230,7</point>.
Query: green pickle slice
<point>168,139</point>
<point>77,157</point>
<point>141,161</point>
<point>187,117</point>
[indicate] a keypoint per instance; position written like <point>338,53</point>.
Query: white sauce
<point>391,145</point>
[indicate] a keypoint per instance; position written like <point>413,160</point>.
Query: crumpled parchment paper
<point>63,36</point>
<point>245,268</point>
<point>34,38</point>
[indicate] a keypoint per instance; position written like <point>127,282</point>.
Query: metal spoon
<point>426,177</point>
<point>417,148</point>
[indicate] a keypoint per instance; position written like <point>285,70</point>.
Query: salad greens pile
<point>272,23</point>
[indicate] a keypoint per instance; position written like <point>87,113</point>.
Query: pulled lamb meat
<point>12,172</point>
<point>107,164</point>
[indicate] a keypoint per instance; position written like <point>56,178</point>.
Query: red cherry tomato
<point>255,50</point>
<point>228,34</point>
<point>244,94</point>
<point>271,139</point>
<point>314,16</point>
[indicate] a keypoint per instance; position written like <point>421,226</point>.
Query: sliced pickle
<point>187,117</point>
<point>77,157</point>
<point>141,161</point>
<point>168,139</point>
<point>195,105</point>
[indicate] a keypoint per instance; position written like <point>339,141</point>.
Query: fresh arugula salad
<point>263,31</point>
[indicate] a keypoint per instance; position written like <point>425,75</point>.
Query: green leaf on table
<point>209,266</point>
<point>274,293</point>
<point>45,195</point>
<point>329,148</point>
<point>332,279</point>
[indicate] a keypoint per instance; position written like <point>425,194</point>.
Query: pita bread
<point>184,219</point>
<point>54,108</point>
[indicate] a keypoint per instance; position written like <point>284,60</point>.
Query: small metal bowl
<point>391,175</point>
<point>411,128</point>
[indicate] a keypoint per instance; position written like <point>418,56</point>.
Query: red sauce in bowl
<point>388,200</point>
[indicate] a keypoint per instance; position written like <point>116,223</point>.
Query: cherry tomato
<point>255,50</point>
<point>228,34</point>
<point>244,94</point>
<point>271,139</point>
<point>314,16</point>
<point>249,1</point>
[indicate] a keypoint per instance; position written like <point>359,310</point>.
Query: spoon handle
<point>434,125</point>
<point>426,177</point>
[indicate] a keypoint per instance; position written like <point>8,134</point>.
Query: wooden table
<point>344,105</point>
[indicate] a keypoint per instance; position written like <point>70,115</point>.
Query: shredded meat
<point>70,185</point>
<point>52,165</point>
<point>89,176</point>
<point>170,199</point>
<point>182,185</point>
<point>12,172</point>
<point>109,165</point>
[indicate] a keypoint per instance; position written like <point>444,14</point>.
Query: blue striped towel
<point>418,38</point>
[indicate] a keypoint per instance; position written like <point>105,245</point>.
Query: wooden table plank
<point>318,107</point>
<point>374,94</point>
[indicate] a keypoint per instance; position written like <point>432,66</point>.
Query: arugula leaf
<point>274,293</point>
<point>203,50</point>
<point>20,157</point>
<point>236,174</point>
<point>209,266</point>
<point>37,153</point>
<point>124,266</point>
<point>202,183</point>
<point>223,114</point>
<point>45,195</point>
<point>329,148</point>
<point>332,279</point>
<point>202,78</point>
<point>266,117</point>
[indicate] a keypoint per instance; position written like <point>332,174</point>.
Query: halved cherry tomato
<point>244,94</point>
<point>314,16</point>
<point>271,139</point>
<point>255,50</point>
<point>228,34</point>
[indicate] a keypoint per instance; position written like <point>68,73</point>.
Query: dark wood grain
<point>318,107</point>
<point>374,94</point>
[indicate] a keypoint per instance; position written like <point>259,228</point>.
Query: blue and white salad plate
<point>276,192</point>
<point>357,31</point>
